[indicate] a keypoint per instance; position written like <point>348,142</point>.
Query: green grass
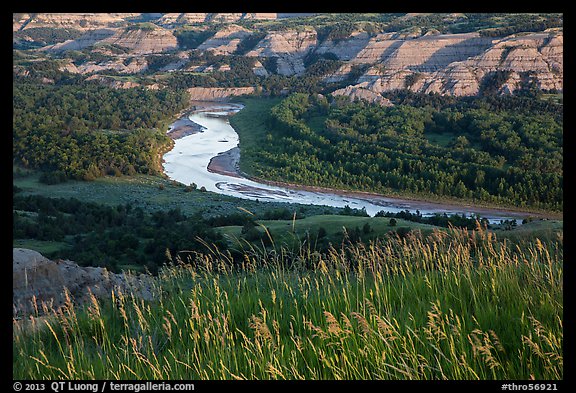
<point>292,232</point>
<point>440,139</point>
<point>144,191</point>
<point>557,98</point>
<point>44,247</point>
<point>458,305</point>
<point>250,125</point>
<point>541,229</point>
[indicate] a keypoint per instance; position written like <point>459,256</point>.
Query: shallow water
<point>188,163</point>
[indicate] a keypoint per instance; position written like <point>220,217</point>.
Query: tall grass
<point>456,305</point>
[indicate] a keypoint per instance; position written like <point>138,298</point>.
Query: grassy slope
<point>143,191</point>
<point>450,307</point>
<point>44,247</point>
<point>249,123</point>
<point>292,232</point>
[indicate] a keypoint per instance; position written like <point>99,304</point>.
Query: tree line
<point>110,236</point>
<point>471,152</point>
<point>95,234</point>
<point>88,131</point>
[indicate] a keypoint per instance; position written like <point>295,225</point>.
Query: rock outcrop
<point>289,47</point>
<point>218,94</point>
<point>115,83</point>
<point>225,17</point>
<point>19,21</point>
<point>173,19</point>
<point>345,49</point>
<point>431,53</point>
<point>416,58</point>
<point>261,15</point>
<point>137,41</point>
<point>456,64</point>
<point>259,69</point>
<point>144,41</point>
<point>78,21</point>
<point>362,93</point>
<point>225,41</point>
<point>87,40</point>
<point>38,281</point>
<point>132,65</point>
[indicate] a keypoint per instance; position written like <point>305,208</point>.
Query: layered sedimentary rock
<point>225,41</point>
<point>538,55</point>
<point>289,47</point>
<point>78,21</point>
<point>19,21</point>
<point>87,40</point>
<point>124,66</point>
<point>205,17</point>
<point>416,58</point>
<point>225,17</point>
<point>135,40</point>
<point>259,69</point>
<point>458,79</point>
<point>360,92</point>
<point>142,41</point>
<point>182,18</point>
<point>457,64</point>
<point>218,94</point>
<point>430,53</point>
<point>41,284</point>
<point>261,15</point>
<point>345,49</point>
<point>114,82</point>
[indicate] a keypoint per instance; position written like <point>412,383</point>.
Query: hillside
<point>288,196</point>
<point>448,54</point>
<point>460,305</point>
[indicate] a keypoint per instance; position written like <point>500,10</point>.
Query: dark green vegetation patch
<point>482,150</point>
<point>88,131</point>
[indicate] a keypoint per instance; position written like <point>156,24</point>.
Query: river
<point>190,162</point>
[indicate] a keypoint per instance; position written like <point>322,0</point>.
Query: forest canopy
<point>471,150</point>
<point>89,131</point>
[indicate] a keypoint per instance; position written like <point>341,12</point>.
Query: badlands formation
<point>416,59</point>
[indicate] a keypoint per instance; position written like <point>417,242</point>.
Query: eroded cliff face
<point>136,41</point>
<point>140,41</point>
<point>182,18</point>
<point>289,47</point>
<point>225,41</point>
<point>205,17</point>
<point>457,64</point>
<point>218,94</point>
<point>347,49</point>
<point>360,92</point>
<point>435,52</point>
<point>77,21</point>
<point>87,40</point>
<point>415,59</point>
<point>19,21</point>
<point>132,65</point>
